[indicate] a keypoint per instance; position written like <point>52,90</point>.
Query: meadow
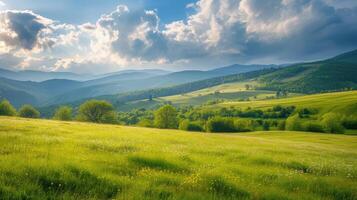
<point>337,102</point>
<point>45,159</point>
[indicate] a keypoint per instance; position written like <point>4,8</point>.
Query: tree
<point>332,123</point>
<point>293,123</point>
<point>63,113</point>
<point>166,117</point>
<point>190,126</point>
<point>6,109</point>
<point>28,111</point>
<point>220,124</point>
<point>247,87</point>
<point>97,111</point>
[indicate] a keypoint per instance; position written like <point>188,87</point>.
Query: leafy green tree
<point>28,111</point>
<point>332,123</point>
<point>63,113</point>
<point>293,123</point>
<point>6,109</point>
<point>97,111</point>
<point>166,117</point>
<point>220,124</point>
<point>190,126</point>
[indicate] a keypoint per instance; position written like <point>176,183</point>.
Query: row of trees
<point>95,111</point>
<point>26,111</point>
<point>190,119</point>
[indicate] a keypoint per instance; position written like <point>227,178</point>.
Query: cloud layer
<point>219,32</point>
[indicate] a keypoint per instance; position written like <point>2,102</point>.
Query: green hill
<point>43,159</point>
<point>328,75</point>
<point>337,102</point>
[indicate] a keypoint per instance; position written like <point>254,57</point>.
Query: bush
<point>242,125</point>
<point>190,126</point>
<point>146,123</point>
<point>314,127</point>
<point>293,123</point>
<point>63,113</point>
<point>27,111</point>
<point>350,122</point>
<point>6,109</point>
<point>97,111</point>
<point>332,123</point>
<point>220,124</point>
<point>166,117</point>
<point>281,125</point>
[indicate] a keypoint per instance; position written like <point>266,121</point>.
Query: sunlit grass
<point>69,160</point>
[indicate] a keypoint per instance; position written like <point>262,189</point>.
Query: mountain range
<point>47,88</point>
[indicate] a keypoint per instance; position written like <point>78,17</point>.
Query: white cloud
<point>219,32</point>
<point>2,4</point>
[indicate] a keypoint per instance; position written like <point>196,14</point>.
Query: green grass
<point>43,159</point>
<point>338,102</point>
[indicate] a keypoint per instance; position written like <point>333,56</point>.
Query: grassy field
<point>42,159</point>
<point>229,92</point>
<point>338,102</point>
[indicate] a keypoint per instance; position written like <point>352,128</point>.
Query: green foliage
<point>97,111</point>
<point>6,109</point>
<point>314,126</point>
<point>220,125</point>
<point>293,123</point>
<point>146,123</point>
<point>281,125</point>
<point>350,122</point>
<point>332,123</point>
<point>243,125</point>
<point>190,126</point>
<point>28,111</point>
<point>166,117</point>
<point>63,113</point>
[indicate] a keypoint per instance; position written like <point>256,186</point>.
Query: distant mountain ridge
<point>59,90</point>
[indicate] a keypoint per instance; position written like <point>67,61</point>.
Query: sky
<point>100,36</point>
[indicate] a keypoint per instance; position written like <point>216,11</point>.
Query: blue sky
<point>99,36</point>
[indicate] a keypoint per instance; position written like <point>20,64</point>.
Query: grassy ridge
<point>42,158</point>
<point>338,102</point>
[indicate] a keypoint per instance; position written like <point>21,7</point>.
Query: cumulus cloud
<point>218,32</point>
<point>23,29</point>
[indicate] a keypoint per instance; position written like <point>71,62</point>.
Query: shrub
<point>242,125</point>
<point>350,122</point>
<point>27,111</point>
<point>63,113</point>
<point>166,117</point>
<point>220,124</point>
<point>314,127</point>
<point>293,123</point>
<point>190,126</point>
<point>281,125</point>
<point>97,111</point>
<point>6,109</point>
<point>332,123</point>
<point>145,123</point>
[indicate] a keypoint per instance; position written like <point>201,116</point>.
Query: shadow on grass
<point>156,163</point>
<point>69,183</point>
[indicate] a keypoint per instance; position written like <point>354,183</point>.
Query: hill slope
<point>337,102</point>
<point>329,75</point>
<point>47,159</point>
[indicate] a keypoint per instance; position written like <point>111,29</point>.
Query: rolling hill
<point>42,159</point>
<point>63,90</point>
<point>38,76</point>
<point>329,75</point>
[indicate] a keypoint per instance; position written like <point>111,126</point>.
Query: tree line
<point>197,119</point>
